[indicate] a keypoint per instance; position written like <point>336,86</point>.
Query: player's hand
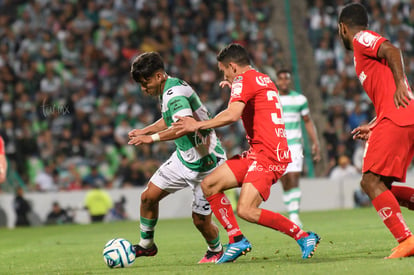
<point>135,133</point>
<point>402,96</point>
<point>225,83</point>
<point>316,152</point>
<point>138,140</point>
<point>185,124</point>
<point>361,132</point>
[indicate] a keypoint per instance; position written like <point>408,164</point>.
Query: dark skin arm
<point>392,55</point>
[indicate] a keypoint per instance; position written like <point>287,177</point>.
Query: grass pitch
<point>353,242</point>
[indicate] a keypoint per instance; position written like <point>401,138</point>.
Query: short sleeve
<point>179,106</point>
<point>304,106</point>
<point>240,90</point>
<point>368,43</point>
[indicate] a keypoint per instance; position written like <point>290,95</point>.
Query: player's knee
<point>147,200</point>
<point>245,213</point>
<point>201,221</point>
<point>207,186</point>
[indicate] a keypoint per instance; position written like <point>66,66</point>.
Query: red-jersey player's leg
<point>404,195</point>
<point>261,175</point>
<point>385,160</point>
<point>226,176</point>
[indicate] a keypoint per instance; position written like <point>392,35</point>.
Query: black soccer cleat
<point>147,252</point>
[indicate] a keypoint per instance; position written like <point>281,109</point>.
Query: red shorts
<point>257,169</point>
<point>389,150</point>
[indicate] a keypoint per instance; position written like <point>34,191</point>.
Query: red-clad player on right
<point>390,137</point>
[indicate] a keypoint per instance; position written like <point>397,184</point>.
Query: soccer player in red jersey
<point>254,98</point>
<point>3,161</point>
<point>390,143</point>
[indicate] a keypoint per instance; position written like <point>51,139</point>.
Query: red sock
<point>404,196</point>
<point>281,223</point>
<point>390,213</point>
<point>221,207</point>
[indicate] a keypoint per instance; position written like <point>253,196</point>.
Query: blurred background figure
<point>98,203</point>
<point>118,212</point>
<point>22,208</point>
<point>58,215</point>
<point>344,169</point>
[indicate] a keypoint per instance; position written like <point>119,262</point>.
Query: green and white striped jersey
<point>295,106</point>
<point>197,151</point>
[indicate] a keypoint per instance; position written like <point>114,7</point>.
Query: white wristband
<point>155,137</point>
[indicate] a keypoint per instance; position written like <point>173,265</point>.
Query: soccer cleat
<point>308,244</point>
<point>211,257</point>
<point>404,249</point>
<point>140,251</point>
<point>235,250</point>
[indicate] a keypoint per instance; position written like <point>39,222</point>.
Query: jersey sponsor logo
<point>362,76</point>
<point>238,79</point>
<point>169,92</point>
<point>385,213</point>
<point>282,154</point>
<point>368,39</point>
<point>177,106</point>
<point>236,89</point>
<point>263,80</point>
<point>225,201</point>
<point>224,216</point>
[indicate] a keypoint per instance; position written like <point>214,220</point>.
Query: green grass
<point>353,242</point>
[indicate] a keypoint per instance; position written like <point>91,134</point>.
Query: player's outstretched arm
<point>168,134</point>
<point>228,116</point>
<point>393,56</point>
<point>156,127</point>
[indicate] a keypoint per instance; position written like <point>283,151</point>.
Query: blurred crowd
<point>67,100</point>
<point>345,103</point>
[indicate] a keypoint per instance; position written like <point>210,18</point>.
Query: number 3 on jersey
<point>276,117</point>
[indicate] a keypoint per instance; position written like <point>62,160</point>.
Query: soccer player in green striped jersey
<point>295,109</point>
<point>197,154</point>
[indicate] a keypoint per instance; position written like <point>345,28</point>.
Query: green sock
<point>215,245</point>
<point>147,227</point>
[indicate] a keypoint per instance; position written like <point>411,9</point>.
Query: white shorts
<point>296,165</point>
<point>173,176</point>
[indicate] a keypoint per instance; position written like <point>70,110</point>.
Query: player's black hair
<point>145,65</point>
<point>283,71</point>
<point>234,53</point>
<point>354,15</point>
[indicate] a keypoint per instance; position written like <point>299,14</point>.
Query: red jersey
<point>262,115</point>
<point>377,79</point>
<point>2,150</point>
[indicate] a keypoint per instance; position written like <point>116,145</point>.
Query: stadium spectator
<point>22,208</point>
<point>94,178</point>
<point>45,179</point>
<point>343,170</point>
<point>58,215</point>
